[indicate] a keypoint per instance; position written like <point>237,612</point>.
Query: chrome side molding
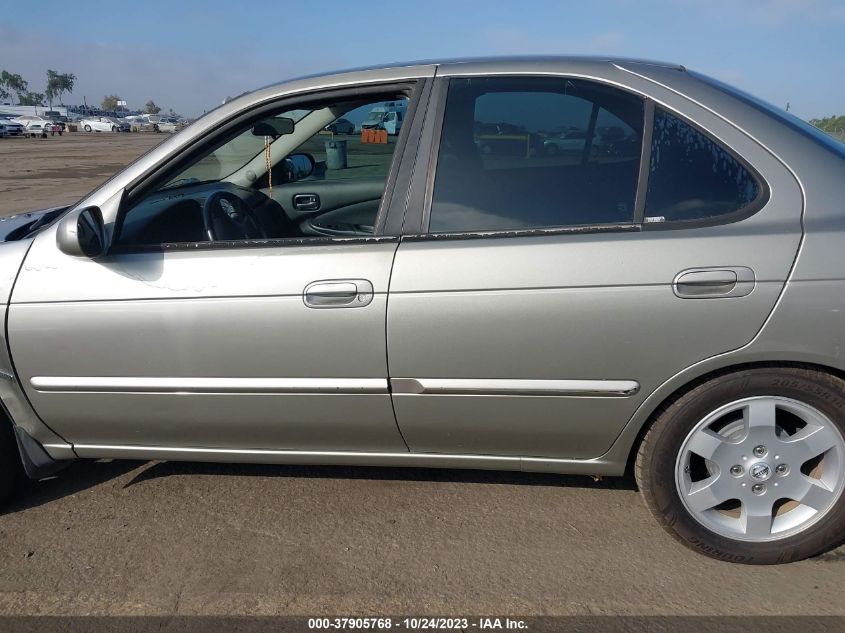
<point>508,387</point>
<point>139,384</point>
<point>414,386</point>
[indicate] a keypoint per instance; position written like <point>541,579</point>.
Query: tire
<point>12,476</point>
<point>87,128</point>
<point>769,402</point>
<point>114,128</point>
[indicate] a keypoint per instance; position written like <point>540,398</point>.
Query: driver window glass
<point>344,151</point>
<point>328,170</point>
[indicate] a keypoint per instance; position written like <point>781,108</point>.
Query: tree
<point>151,108</point>
<point>31,98</point>
<point>12,83</point>
<point>833,125</point>
<point>57,84</point>
<point>110,103</point>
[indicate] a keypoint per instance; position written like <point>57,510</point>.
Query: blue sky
<point>190,55</point>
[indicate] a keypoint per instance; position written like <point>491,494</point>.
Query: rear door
<point>539,296</point>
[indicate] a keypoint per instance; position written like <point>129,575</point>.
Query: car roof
<point>495,63</point>
<point>478,64</point>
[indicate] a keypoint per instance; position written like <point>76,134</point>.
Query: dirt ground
<point>123,537</point>
<point>36,173</point>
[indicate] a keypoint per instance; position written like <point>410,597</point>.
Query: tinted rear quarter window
<point>691,177</point>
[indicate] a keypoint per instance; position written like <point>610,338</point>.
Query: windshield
<point>375,116</point>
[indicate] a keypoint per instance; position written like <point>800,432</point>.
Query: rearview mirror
<point>82,233</point>
<point>274,127</point>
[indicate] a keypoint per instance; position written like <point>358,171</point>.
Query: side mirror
<point>82,233</point>
<point>298,167</point>
<point>275,127</point>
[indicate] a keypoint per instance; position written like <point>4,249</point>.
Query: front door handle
<point>708,283</point>
<point>306,202</point>
<point>338,293</point>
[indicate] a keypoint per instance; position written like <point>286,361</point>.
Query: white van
<point>388,116</point>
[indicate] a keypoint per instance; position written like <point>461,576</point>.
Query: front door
<point>238,309</point>
<point>536,308</point>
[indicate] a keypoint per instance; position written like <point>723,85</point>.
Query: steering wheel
<point>227,217</point>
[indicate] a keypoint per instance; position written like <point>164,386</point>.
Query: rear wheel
<point>750,467</point>
<point>87,128</point>
<point>12,475</point>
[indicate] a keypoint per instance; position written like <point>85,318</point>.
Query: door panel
<point>332,194</point>
<point>163,325</point>
<point>535,308</point>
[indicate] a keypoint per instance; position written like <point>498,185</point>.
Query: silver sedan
<point>666,299</point>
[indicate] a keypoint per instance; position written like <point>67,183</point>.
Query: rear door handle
<point>717,282</point>
<point>338,293</point>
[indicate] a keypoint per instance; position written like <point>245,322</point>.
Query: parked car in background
<point>451,308</point>
<point>8,127</point>
<point>36,129</point>
<point>145,125</point>
<point>145,122</point>
<point>169,124</point>
<point>341,126</point>
<point>571,141</point>
<point>504,139</point>
<point>37,125</point>
<point>58,123</point>
<point>100,124</point>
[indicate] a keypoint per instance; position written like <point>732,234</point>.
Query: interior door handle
<point>704,283</point>
<point>338,293</point>
<point>306,202</point>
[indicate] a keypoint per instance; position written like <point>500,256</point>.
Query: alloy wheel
<point>761,469</point>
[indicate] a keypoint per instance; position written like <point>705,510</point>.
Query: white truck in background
<point>387,116</point>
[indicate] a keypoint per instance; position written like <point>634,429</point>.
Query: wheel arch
<point>626,445</point>
<point>35,460</point>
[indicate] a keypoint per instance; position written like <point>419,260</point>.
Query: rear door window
<point>523,153</point>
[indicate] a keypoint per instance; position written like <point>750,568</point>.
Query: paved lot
<point>160,538</point>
